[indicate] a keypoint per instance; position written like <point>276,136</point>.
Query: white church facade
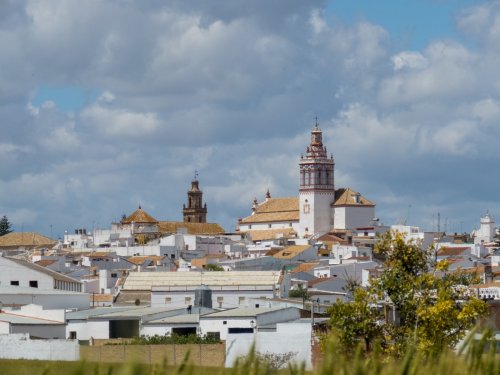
<point>320,207</point>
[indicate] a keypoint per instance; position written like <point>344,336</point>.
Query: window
<point>224,322</point>
<point>241,300</point>
<point>14,282</point>
<point>172,256</point>
<point>168,300</point>
<point>187,300</point>
<point>114,275</point>
<point>240,330</point>
<point>72,335</point>
<point>33,284</point>
<point>269,225</point>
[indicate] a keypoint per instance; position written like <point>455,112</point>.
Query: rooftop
<point>140,216</point>
<point>146,280</point>
<point>275,209</point>
<point>349,197</point>
<point>36,267</point>
<point>25,239</point>
<point>290,252</point>
<point>171,227</point>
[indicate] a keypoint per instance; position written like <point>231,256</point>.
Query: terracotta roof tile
<point>171,227</point>
<point>449,251</point>
<point>275,209</point>
<point>140,216</point>
<point>270,234</point>
<point>305,267</point>
<point>346,197</point>
<point>137,260</point>
<point>28,239</point>
<point>290,252</point>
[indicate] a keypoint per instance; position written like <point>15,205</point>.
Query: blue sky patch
<point>412,24</point>
<point>66,98</point>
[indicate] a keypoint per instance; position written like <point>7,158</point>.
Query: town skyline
<point>108,106</point>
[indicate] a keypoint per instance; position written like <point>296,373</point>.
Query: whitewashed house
<point>245,320</point>
<point>17,272</point>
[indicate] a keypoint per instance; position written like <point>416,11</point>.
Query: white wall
<point>292,337</point>
<point>44,331</point>
<point>19,346</point>
<point>352,217</point>
<point>86,329</point>
<point>12,271</point>
<point>230,297</point>
<point>315,214</point>
<point>217,325</point>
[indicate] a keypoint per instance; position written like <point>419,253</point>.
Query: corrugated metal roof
<point>135,313</point>
<point>242,312</point>
<point>177,319</point>
<point>84,314</point>
<point>145,280</point>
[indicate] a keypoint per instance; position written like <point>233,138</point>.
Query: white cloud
<point>120,123</point>
<point>409,59</point>
<point>231,89</point>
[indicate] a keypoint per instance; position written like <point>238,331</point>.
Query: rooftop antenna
<point>316,120</point>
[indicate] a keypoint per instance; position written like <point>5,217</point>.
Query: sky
<point>108,105</point>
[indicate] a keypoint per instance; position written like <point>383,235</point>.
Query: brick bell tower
<point>195,211</point>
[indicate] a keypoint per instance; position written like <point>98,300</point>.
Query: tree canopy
<point>213,267</point>
<point>415,301</point>
<point>5,226</point>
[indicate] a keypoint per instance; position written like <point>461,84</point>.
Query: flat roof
<point>8,289</point>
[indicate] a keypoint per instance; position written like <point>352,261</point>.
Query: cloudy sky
<point>105,105</point>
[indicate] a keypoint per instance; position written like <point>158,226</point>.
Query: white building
<point>319,208</point>
<point>245,320</point>
<point>415,234</point>
<point>17,272</point>
<point>486,232</point>
<point>228,289</point>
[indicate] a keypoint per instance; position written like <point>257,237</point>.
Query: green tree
<point>5,226</point>
<point>299,292</point>
<point>415,301</point>
<point>213,267</point>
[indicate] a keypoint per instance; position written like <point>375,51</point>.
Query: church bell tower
<point>316,190</point>
<point>195,211</point>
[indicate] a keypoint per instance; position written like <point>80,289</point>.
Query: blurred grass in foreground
<point>477,358</point>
